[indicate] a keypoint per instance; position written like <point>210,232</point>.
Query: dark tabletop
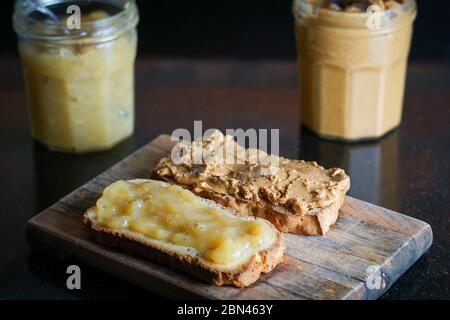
<point>407,171</point>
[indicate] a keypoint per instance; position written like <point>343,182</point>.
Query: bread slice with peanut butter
<point>296,196</point>
<point>172,226</point>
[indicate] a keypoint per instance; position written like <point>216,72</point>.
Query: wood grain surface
<point>367,250</point>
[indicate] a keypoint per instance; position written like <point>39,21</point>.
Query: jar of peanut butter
<point>78,62</point>
<point>352,59</point>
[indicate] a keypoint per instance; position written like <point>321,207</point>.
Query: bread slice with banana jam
<point>172,226</point>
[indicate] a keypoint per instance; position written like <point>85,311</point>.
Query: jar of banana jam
<point>78,62</point>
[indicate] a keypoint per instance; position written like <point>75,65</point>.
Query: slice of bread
<point>298,197</point>
<point>186,259</point>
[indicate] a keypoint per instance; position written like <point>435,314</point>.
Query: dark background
<point>244,29</point>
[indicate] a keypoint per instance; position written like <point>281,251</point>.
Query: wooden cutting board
<point>367,250</point>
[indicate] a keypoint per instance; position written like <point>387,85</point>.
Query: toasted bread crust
<point>314,222</point>
<point>241,276</point>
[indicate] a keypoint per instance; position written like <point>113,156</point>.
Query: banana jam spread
<point>295,185</point>
<point>80,95</point>
<point>175,215</point>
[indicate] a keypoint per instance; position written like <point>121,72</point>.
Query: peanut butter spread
<point>253,175</point>
<point>352,65</point>
<point>358,6</point>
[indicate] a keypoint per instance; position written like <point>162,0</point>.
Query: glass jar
<point>79,78</point>
<point>352,71</point>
